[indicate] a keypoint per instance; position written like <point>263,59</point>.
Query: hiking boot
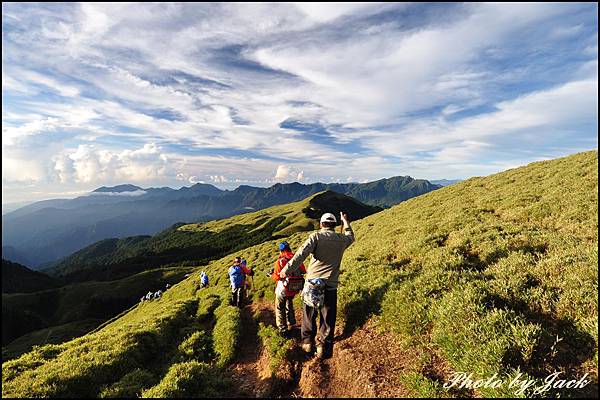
<point>307,347</point>
<point>320,352</point>
<point>323,353</point>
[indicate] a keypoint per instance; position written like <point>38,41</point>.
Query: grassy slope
<point>26,312</point>
<point>483,274</point>
<point>488,272</point>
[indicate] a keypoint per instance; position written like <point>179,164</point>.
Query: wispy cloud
<point>174,93</point>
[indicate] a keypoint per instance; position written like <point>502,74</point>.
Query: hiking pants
<point>284,311</point>
<point>237,297</point>
<point>327,321</point>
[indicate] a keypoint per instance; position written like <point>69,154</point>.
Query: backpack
<point>236,276</point>
<point>292,284</point>
<point>313,294</point>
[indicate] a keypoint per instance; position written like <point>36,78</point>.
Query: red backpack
<point>293,284</point>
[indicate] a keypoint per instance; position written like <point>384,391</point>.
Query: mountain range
<point>42,233</point>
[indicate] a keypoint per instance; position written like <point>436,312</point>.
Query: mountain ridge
<point>47,234</point>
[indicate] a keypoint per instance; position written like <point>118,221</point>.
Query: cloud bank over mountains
<point>178,93</point>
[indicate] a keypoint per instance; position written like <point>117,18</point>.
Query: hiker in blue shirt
<point>203,279</point>
<point>237,276</point>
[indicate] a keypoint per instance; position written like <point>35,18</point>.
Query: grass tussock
<point>130,385</point>
<point>188,379</point>
<point>227,333</point>
<point>276,345</point>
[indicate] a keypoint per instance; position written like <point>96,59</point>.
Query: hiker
<point>285,290</point>
<point>320,291</point>
<point>237,277</point>
<point>247,272</point>
<point>203,279</point>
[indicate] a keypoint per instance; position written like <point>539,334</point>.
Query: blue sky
<point>173,94</point>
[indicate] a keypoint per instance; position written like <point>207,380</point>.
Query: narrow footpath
<point>365,364</point>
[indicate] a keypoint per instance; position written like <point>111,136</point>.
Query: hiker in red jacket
<point>285,290</point>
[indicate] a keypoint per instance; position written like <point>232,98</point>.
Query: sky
<point>169,94</point>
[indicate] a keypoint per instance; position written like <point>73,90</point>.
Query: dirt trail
<point>366,364</point>
<point>250,371</point>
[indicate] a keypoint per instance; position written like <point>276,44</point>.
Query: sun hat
<point>328,217</point>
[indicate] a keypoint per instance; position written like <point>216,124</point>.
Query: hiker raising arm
<point>309,246</point>
<point>322,278</point>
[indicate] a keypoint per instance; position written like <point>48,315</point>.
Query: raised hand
<point>344,218</point>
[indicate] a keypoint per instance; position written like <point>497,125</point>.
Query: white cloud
<point>563,106</point>
<point>219,179</point>
<point>87,164</point>
<point>133,193</point>
<point>324,12</point>
<point>283,172</point>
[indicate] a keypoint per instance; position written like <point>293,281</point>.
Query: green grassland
<point>491,275</point>
<point>73,306</point>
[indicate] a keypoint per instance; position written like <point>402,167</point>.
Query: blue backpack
<point>236,276</point>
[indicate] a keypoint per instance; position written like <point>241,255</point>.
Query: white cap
<point>328,217</point>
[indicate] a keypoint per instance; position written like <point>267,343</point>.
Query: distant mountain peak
<point>118,189</point>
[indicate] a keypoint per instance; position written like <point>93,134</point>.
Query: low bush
<point>276,345</point>
<point>129,385</point>
<point>226,333</point>
<point>189,379</point>
<point>198,346</point>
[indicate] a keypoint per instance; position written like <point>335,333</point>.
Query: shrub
<point>226,333</point>
<point>188,379</point>
<point>129,385</point>
<point>421,386</point>
<point>197,346</point>
<point>277,346</point>
<point>206,307</point>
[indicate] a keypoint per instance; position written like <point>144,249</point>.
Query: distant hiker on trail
<point>237,276</point>
<point>285,290</point>
<point>203,279</point>
<point>320,291</point>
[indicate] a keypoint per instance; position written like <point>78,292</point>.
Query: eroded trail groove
<point>365,364</point>
<point>250,372</point>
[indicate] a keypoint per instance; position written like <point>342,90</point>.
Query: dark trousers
<point>327,321</point>
<point>237,297</point>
